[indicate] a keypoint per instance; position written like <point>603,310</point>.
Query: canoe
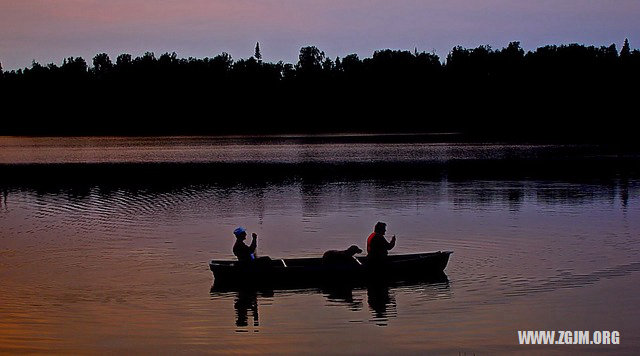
<point>306,271</point>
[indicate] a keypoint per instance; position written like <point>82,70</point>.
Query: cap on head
<point>380,227</point>
<point>239,231</point>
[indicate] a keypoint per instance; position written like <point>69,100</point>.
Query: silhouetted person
<point>377,246</point>
<point>247,254</point>
<point>243,252</point>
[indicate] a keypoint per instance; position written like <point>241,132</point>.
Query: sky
<point>49,30</point>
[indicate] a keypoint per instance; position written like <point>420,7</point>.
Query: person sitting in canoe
<point>246,253</point>
<point>243,252</point>
<point>377,246</point>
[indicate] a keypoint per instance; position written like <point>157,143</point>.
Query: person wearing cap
<point>377,246</point>
<point>243,252</point>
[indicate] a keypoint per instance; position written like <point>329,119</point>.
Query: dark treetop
<point>567,92</point>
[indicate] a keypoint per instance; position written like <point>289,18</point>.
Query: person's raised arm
<point>254,242</point>
<point>392,244</point>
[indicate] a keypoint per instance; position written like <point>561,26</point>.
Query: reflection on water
<point>3,204</point>
<point>380,298</point>
<point>246,301</point>
<point>291,149</point>
<point>343,294</point>
<point>382,303</point>
<point>123,268</point>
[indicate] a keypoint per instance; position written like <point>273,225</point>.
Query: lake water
<point>98,267</point>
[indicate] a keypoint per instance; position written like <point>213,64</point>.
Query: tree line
<point>552,92</point>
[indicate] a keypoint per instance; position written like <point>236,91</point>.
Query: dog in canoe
<point>341,257</point>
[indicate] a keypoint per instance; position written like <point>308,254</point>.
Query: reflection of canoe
<point>379,295</point>
<point>304,271</point>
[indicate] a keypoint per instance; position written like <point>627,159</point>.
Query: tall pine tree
<point>626,50</point>
<point>257,54</point>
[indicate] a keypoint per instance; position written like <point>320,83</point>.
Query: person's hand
<point>393,238</point>
<point>254,235</point>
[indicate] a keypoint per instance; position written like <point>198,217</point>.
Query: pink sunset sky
<point>50,30</point>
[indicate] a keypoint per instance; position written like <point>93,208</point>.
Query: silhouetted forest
<point>567,92</point>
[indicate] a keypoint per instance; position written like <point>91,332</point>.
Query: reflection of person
<point>245,301</point>
<point>243,252</point>
<point>380,300</point>
<point>377,246</point>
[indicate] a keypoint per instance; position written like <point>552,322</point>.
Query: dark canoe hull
<point>310,271</point>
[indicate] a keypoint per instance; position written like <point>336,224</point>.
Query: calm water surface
<point>97,268</point>
<point>268,149</point>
